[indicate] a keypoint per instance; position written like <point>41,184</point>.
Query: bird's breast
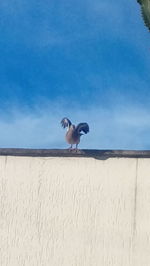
<point>72,137</point>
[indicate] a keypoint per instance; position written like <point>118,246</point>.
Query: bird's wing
<point>82,127</point>
<point>65,122</point>
<point>145,9</point>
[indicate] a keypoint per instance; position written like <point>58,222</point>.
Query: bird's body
<point>71,136</point>
<point>74,132</point>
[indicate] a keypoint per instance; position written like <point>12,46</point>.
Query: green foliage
<point>145,9</point>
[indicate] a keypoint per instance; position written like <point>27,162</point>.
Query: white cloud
<point>117,128</point>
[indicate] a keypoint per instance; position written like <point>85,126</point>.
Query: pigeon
<point>74,132</point>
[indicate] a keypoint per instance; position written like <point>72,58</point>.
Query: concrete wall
<point>74,211</point>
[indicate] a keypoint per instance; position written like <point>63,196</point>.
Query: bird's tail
<point>82,127</point>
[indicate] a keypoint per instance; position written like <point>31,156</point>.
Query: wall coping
<point>98,154</point>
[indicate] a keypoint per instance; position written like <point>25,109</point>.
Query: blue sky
<point>88,60</point>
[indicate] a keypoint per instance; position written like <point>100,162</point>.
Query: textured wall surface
<point>74,211</point>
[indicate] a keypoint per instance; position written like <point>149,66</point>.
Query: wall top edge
<point>99,154</point>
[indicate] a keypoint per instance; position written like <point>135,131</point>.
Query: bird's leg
<point>76,147</point>
<point>70,148</point>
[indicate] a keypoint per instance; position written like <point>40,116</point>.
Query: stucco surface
<point>57,211</point>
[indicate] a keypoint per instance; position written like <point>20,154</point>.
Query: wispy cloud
<point>117,128</point>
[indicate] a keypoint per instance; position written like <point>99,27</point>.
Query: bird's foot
<point>76,150</point>
<point>70,148</point>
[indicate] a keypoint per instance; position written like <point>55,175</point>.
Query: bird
<point>74,132</point>
<point>145,9</point>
